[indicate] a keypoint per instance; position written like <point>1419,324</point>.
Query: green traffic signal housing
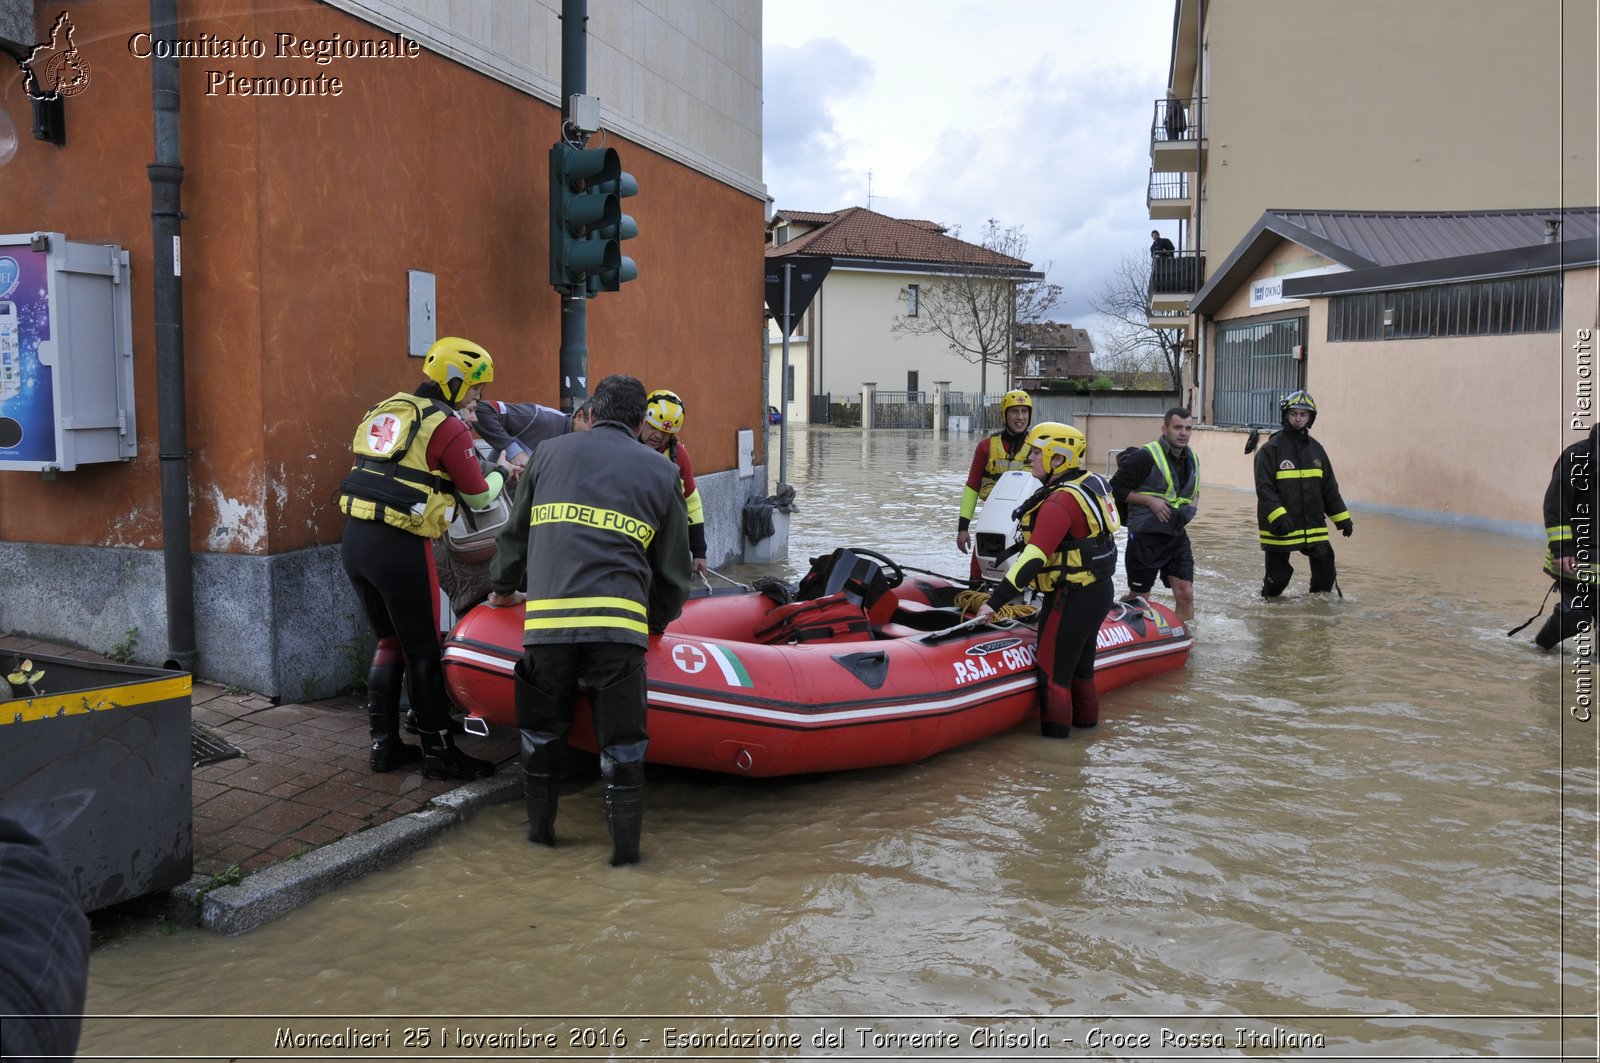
<point>587,226</point>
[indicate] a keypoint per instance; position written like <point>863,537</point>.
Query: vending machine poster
<point>27,385</point>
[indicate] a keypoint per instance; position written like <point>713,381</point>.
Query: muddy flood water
<point>1360,827</point>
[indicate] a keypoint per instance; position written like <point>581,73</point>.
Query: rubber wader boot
<point>619,711</point>
<point>1055,714</point>
<point>440,757</point>
<point>1085,703</point>
<point>383,717</point>
<point>624,808</point>
<point>442,760</point>
<point>541,723</point>
<point>1550,635</point>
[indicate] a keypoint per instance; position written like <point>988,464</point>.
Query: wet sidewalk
<point>286,807</point>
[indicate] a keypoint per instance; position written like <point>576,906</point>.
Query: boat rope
<point>971,601</point>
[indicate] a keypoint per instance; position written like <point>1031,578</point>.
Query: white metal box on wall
<point>66,354</point>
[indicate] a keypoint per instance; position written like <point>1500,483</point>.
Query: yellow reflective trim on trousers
<point>627,605</point>
<point>533,623</point>
<point>593,517</point>
<point>1299,474</point>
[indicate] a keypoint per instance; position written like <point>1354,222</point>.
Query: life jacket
<point>1079,561</point>
<point>390,480</point>
<point>1179,497</point>
<point>1000,463</point>
<point>834,618</point>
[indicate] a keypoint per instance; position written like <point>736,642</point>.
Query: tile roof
<point>1052,336</point>
<point>858,233</point>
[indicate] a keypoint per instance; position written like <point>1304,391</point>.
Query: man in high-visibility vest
<point>1158,486</point>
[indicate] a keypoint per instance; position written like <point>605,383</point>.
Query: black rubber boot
<point>440,757</point>
<point>412,727</point>
<point>442,760</point>
<point>619,712</point>
<point>624,809</point>
<point>1550,635</point>
<point>541,723</point>
<point>383,717</point>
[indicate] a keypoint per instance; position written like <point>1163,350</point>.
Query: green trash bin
<point>98,765</point>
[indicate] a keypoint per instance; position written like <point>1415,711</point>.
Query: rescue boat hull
<point>720,702</point>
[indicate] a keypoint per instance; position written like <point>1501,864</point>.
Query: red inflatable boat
<point>865,668</point>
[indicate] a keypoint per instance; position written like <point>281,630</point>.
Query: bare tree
<point>977,305</point>
<point>1133,344</point>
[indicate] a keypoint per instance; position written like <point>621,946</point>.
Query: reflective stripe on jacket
<point>607,556</point>
<point>1180,498</point>
<point>1294,479</point>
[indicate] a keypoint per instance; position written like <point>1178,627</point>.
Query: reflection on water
<point>1371,816</point>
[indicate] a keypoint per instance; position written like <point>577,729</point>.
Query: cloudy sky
<point>1032,112</point>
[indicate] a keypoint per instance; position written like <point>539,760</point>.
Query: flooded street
<point>1361,826</point>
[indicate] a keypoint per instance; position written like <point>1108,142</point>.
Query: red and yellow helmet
<point>663,411</point>
<point>1015,398</point>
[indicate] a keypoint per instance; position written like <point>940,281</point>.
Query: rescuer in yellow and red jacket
<point>599,533</point>
<point>1070,554</point>
<point>414,459</point>
<point>663,420</point>
<point>1003,452</point>
<point>1296,496</point>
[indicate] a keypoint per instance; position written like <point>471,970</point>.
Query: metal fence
<point>911,409</point>
<point>1256,366</point>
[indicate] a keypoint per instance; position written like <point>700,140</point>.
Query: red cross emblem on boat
<point>689,658</point>
<point>382,432</point>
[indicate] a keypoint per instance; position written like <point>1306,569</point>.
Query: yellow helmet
<point>1015,398</point>
<point>455,365</point>
<point>1054,439</point>
<point>663,411</point>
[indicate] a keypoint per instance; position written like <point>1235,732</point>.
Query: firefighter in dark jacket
<point>600,532</point>
<point>1070,555</point>
<point>1569,519</point>
<point>1296,496</point>
<point>414,459</point>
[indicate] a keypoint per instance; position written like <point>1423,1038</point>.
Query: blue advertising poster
<point>27,385</point>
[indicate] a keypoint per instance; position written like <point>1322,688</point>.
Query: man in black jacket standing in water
<point>1296,496</point>
<point>600,532</point>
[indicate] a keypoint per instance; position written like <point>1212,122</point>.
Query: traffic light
<point>587,225</point>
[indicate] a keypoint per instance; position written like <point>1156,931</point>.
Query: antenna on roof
<point>870,196</point>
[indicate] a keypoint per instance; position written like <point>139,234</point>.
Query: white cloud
<point>1036,114</point>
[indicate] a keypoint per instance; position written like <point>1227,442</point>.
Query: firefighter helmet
<point>663,411</point>
<point>1298,400</point>
<point>455,365</point>
<point>1053,439</point>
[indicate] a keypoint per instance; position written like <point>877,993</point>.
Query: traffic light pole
<point>574,305</point>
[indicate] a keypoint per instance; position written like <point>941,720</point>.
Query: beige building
<point>881,269</point>
<point>1327,161</point>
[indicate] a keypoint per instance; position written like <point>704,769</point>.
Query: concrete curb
<point>281,888</point>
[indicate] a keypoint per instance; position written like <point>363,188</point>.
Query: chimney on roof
<point>1552,226</point>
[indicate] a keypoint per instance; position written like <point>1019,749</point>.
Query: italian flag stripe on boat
<point>732,669</point>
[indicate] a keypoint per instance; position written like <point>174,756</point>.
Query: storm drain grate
<point>206,748</point>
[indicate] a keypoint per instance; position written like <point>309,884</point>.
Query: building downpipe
<point>166,220</point>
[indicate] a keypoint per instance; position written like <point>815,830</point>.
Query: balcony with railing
<point>1168,196</point>
<point>1176,144</point>
<point>1174,279</point>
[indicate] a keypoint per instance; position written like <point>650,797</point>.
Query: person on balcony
<point>1160,246</point>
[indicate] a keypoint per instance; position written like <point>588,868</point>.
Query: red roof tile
<point>860,233</point>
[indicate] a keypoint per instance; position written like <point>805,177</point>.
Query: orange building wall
<point>302,217</point>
